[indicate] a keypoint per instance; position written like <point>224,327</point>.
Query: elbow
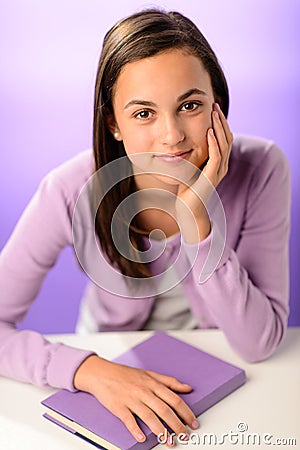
<point>260,348</point>
<point>257,355</point>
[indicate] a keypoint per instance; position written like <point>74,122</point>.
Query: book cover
<point>211,378</point>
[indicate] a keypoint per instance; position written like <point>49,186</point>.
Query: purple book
<point>211,378</point>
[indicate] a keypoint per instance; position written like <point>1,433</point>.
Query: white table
<point>268,404</point>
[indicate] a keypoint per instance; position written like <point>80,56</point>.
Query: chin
<point>167,180</point>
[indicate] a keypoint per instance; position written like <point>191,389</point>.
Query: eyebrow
<point>182,97</point>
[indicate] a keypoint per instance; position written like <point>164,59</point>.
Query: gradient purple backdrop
<point>49,54</point>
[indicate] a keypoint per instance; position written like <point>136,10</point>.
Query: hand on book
<point>126,391</point>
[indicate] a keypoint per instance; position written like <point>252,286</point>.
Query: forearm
<point>27,356</point>
<point>253,322</point>
<point>195,229</point>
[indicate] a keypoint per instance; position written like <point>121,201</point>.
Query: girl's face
<point>162,110</point>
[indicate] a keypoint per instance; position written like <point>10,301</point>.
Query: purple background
<point>49,54</point>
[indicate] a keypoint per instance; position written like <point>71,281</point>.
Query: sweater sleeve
<point>247,295</point>
<point>32,250</point>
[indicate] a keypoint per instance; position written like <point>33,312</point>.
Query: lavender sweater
<point>246,297</point>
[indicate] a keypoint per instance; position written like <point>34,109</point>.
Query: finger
<point>224,147</point>
<point>214,157</point>
<point>171,382</point>
<point>229,136</point>
<point>131,424</point>
<point>168,396</point>
<point>151,417</point>
<point>161,411</point>
<point>225,141</point>
<point>179,406</point>
<point>220,134</point>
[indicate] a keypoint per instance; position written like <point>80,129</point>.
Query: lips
<point>173,157</point>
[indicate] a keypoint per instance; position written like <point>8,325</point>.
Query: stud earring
<point>117,135</point>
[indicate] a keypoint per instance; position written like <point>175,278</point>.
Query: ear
<point>113,127</point>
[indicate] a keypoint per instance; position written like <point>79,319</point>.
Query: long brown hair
<point>136,37</point>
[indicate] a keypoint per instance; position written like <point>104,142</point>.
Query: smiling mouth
<point>173,157</point>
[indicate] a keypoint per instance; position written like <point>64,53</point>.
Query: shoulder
<point>68,178</point>
<point>257,153</point>
<point>255,164</point>
<point>76,170</point>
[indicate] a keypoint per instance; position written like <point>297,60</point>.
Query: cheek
<point>131,145</point>
<point>202,122</point>
<point>206,123</point>
<point>200,130</point>
<point>136,141</point>
<point>207,119</point>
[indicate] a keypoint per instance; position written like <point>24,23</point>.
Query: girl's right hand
<point>126,391</point>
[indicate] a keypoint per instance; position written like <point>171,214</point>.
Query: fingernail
<point>170,441</point>
<point>140,437</point>
<point>216,115</point>
<point>217,105</point>
<point>185,436</point>
<point>195,424</point>
<point>211,132</point>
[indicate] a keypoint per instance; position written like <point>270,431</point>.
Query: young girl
<point>145,213</point>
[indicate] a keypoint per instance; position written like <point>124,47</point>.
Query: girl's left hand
<point>196,196</point>
<point>219,139</point>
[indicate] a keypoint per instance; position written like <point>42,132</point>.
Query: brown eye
<point>190,106</point>
<point>144,114</point>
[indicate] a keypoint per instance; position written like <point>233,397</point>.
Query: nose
<point>171,132</point>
